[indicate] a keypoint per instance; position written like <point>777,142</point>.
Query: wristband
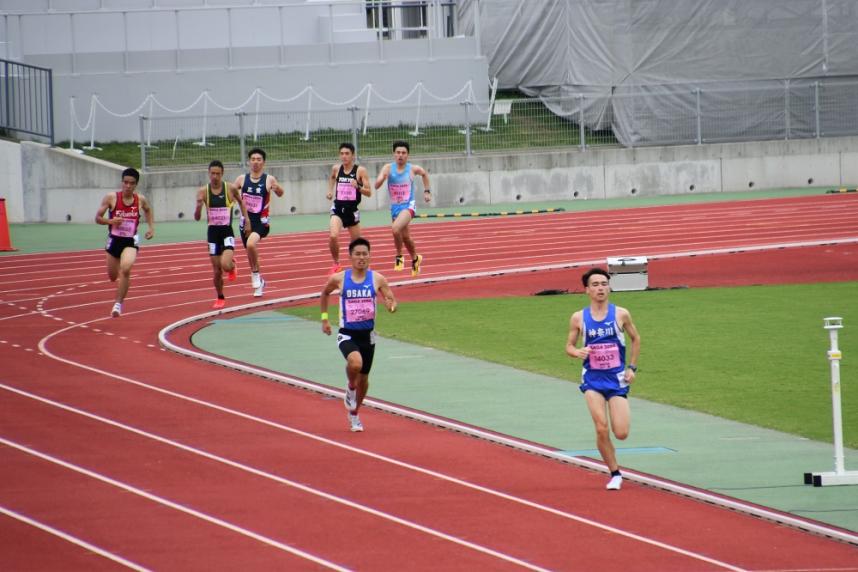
<point>426,191</point>
<point>324,315</point>
<point>634,368</point>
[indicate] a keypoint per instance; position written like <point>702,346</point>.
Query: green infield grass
<point>753,354</point>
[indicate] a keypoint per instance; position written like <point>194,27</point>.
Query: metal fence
<point>812,109</point>
<point>26,99</point>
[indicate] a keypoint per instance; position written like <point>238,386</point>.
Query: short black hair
<point>256,151</point>
<point>401,144</point>
<point>216,163</point>
<point>585,279</point>
<point>131,172</point>
<point>348,146</point>
<point>359,241</point>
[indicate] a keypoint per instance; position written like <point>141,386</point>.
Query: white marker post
<point>840,476</point>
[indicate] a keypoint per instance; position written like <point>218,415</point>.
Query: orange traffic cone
<point>5,241</point>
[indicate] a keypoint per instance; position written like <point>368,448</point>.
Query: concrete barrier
<point>56,185</point>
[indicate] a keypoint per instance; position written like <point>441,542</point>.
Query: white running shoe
<point>615,483</point>
<point>350,400</point>
<point>260,289</point>
<point>255,279</point>
<point>354,422</point>
<point>116,311</point>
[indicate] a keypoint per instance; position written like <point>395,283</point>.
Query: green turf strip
<point>753,354</point>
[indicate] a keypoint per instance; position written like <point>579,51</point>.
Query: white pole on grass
<point>834,355</point>
<point>840,476</point>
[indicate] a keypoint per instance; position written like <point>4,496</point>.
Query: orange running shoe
<point>219,303</point>
<point>232,274</point>
<point>334,269</point>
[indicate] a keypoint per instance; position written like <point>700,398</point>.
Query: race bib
<point>128,227</point>
<point>399,192</point>
<point>346,192</point>
<point>219,216</point>
<point>360,309</point>
<point>229,241</point>
<point>604,356</point>
<point>253,203</point>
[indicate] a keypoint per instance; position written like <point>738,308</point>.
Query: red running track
<point>116,453</point>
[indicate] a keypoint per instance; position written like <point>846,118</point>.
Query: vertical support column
<point>582,137</point>
<point>477,36</point>
<point>142,143</point>
<point>468,150</point>
<point>787,125</point>
<point>353,111</point>
<point>241,147</point>
<point>816,108</point>
<point>699,118</point>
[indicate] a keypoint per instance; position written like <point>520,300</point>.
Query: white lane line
<point>170,504</point>
<point>448,478</point>
<point>276,478</point>
<point>73,539</point>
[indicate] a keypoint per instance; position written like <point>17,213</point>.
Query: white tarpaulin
<point>651,69</point>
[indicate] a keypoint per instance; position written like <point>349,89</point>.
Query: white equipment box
<point>628,273</point>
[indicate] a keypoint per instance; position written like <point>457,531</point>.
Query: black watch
<point>634,368</point>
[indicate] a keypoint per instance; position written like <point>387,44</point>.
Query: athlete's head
<point>585,279</point>
<point>347,152</point>
<point>359,253</point>
<point>359,241</point>
<point>130,178</point>
<point>215,173</point>
<point>256,158</point>
<point>400,152</point>
<point>131,172</point>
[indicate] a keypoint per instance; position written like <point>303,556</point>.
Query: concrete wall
<point>56,185</point>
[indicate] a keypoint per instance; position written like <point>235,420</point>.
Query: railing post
<point>353,111</point>
<point>699,119</point>
<point>51,104</point>
<point>582,137</point>
<point>477,47</point>
<point>816,107</point>
<point>241,115</point>
<point>142,142</point>
<point>468,150</point>
<point>8,121</point>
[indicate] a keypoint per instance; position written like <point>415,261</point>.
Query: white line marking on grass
<point>73,539</point>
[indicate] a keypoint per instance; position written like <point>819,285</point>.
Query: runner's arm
<point>383,288</point>
<point>150,217</point>
<point>275,186</point>
<point>382,176</point>
<point>332,182</point>
<point>106,205</point>
<point>235,193</point>
<point>631,331</point>
<point>201,197</point>
<point>334,283</point>
<point>421,172</point>
<point>363,185</point>
<point>574,334</point>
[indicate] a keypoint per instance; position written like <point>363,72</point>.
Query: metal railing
<point>812,109</point>
<point>26,99</point>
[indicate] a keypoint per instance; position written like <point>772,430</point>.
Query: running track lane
<point>237,471</point>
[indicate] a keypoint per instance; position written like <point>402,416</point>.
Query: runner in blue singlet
<point>358,288</point>
<point>400,183</point>
<point>607,372</point>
